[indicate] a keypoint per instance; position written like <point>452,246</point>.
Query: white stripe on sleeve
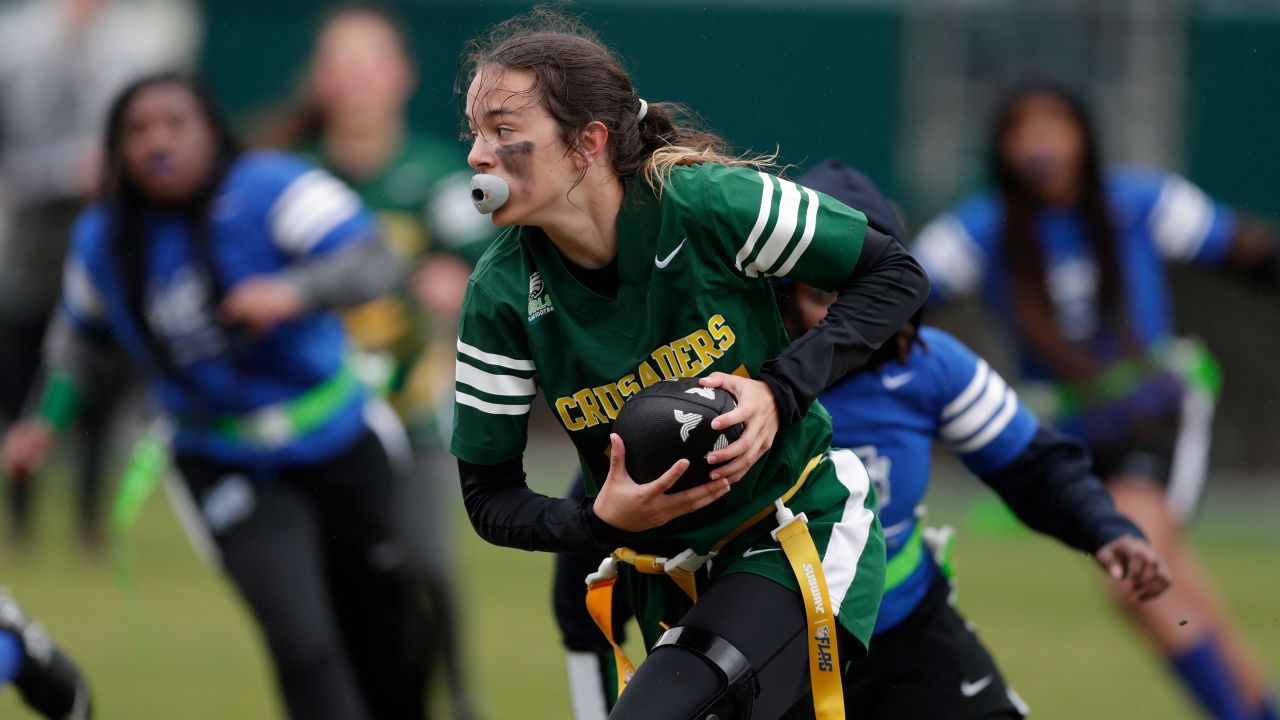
<point>788,218</point>
<point>494,358</point>
<point>810,224</point>
<point>1180,219</point>
<point>505,385</point>
<point>993,429</point>
<point>766,206</point>
<point>487,407</point>
<point>966,396</point>
<point>80,292</point>
<point>849,535</point>
<point>309,209</point>
<point>949,255</point>
<point>977,415</point>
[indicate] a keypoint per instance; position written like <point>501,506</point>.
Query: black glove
<point>48,681</point>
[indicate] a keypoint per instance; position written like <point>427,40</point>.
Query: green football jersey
<point>694,298</point>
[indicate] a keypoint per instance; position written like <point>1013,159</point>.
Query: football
<point>670,420</point>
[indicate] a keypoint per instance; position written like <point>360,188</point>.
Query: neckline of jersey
<point>634,271</point>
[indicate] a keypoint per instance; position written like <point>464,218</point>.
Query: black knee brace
<point>738,686</point>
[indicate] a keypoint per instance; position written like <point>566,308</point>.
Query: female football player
<point>638,250</point>
<point>352,119</point>
<point>922,385</point>
<point>216,270</point>
<point>1071,258</point>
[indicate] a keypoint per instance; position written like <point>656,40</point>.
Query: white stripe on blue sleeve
<point>981,411</point>
<point>1180,220</point>
<point>309,209</point>
<point>80,294</point>
<point>949,255</point>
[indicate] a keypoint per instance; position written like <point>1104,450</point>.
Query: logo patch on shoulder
<point>539,301</point>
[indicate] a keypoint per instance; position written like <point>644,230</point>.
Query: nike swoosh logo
<point>893,382</point>
<point>662,264</point>
<point>749,552</point>
<point>969,689</point>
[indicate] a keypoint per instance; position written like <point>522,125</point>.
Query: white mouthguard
<point>489,192</point>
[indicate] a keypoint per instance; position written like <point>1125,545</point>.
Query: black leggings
<point>760,618</point>
<point>315,553</point>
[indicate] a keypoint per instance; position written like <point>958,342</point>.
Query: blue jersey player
<point>924,386</point>
<point>217,272</point>
<point>1069,259</point>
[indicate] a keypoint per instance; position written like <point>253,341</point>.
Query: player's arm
<point>1189,226</point>
<point>336,254</point>
<point>885,287</point>
<point>950,249</point>
<point>774,227</point>
<point>75,348</point>
<point>1043,476</point>
<point>1052,489</point>
<point>504,511</point>
<point>494,388</point>
<point>767,226</point>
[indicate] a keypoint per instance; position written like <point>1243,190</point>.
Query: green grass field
<point>184,646</point>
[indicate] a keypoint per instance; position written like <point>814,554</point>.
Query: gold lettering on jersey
<point>648,376</point>
<point>686,356</point>
<point>563,405</point>
<point>586,401</point>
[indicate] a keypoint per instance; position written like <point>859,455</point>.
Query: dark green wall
<point>1233,110</point>
<point>815,81</point>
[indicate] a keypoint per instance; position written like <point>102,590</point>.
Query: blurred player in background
<point>61,63</point>
<point>215,271</point>
<point>1069,256</point>
<point>49,682</point>
<point>638,250</point>
<point>925,660</point>
<point>352,120</point>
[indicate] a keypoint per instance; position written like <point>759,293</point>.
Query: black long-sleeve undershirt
<point>504,511</point>
<point>1051,488</point>
<point>886,288</point>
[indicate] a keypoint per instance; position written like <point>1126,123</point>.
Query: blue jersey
<point>271,211</point>
<point>1158,217</point>
<point>11,655</point>
<point>890,418</point>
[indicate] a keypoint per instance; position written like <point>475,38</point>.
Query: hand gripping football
<point>670,420</point>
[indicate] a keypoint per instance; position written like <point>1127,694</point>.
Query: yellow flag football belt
<point>797,544</point>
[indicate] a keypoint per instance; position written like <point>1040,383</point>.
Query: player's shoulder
<point>975,221</point>
<point>270,163</point>
<point>1136,182</point>
<point>1133,190</point>
<point>89,232</point>
<point>695,185</point>
<point>499,272</point>
<point>941,347</point>
<point>948,362</point>
<point>981,214</point>
<point>263,174</point>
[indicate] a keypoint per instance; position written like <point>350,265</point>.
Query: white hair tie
<point>644,110</point>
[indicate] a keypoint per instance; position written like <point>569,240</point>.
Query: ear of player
<point>671,420</point>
